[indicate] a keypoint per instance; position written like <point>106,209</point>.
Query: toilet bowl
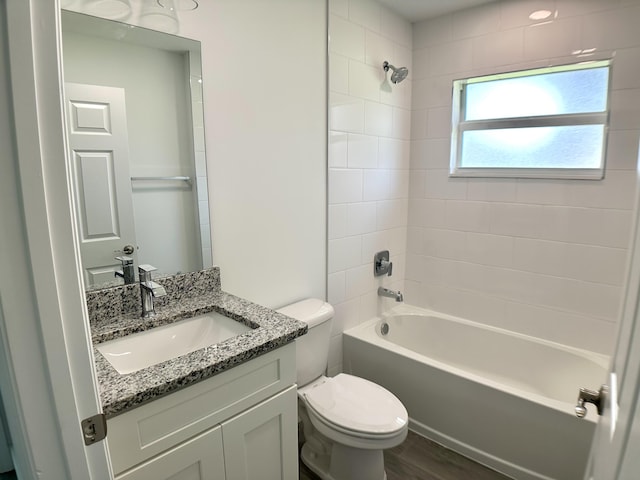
<point>347,421</point>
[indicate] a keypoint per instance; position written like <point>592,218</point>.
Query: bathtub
<point>504,399</point>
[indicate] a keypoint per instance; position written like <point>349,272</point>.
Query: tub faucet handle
<point>590,396</point>
<point>381,264</point>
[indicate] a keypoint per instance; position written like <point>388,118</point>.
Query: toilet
<point>347,421</point>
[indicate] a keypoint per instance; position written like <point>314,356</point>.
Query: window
<point>545,123</point>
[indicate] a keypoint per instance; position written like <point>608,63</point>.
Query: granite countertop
<point>122,392</point>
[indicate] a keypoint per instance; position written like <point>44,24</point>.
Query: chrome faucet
<point>385,292</point>
<point>148,290</point>
<point>128,271</point>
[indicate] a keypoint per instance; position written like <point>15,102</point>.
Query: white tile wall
<point>474,22</point>
<point>369,158</point>
<point>346,114</point>
<point>542,257</point>
<point>378,119</point>
<point>346,38</point>
<point>345,185</point>
<point>561,36</point>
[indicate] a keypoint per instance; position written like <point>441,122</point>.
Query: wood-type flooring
<point>421,459</point>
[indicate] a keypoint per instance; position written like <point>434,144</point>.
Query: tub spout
<point>385,292</point>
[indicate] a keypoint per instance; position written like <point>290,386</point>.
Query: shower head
<point>398,75</point>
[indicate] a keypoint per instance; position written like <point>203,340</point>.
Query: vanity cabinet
<point>240,424</point>
<point>262,443</point>
<point>200,458</point>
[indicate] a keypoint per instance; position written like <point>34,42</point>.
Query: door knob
<point>127,249</point>
<point>591,396</point>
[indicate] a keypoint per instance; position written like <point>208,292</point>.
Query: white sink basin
<point>141,350</point>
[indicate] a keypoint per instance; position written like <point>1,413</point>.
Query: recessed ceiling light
<point>540,14</point>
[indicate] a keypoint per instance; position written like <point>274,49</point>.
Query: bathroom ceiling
<point>417,10</point>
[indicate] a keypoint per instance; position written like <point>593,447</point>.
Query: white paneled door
<point>99,147</point>
<point>617,438</point>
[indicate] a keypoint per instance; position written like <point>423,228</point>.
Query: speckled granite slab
<point>120,393</point>
<point>106,303</point>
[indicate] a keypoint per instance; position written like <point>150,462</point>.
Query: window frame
<point>458,126</point>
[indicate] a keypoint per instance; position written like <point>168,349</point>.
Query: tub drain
<point>384,328</point>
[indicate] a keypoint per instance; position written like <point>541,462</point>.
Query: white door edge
<point>58,296</point>
<point>609,446</point>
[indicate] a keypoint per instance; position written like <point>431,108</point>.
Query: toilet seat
<point>358,407</point>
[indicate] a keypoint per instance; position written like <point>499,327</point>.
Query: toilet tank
<point>312,349</point>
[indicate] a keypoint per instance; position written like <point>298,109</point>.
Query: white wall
<point>542,257</point>
<point>264,88</point>
<point>264,74</point>
<point>368,160</point>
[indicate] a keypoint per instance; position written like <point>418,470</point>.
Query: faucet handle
<point>144,272</point>
<point>126,260</point>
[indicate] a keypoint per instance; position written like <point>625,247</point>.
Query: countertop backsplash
<point>106,303</point>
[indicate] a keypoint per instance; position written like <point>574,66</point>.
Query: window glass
<point>549,122</point>
<point>577,91</point>
<point>538,147</point>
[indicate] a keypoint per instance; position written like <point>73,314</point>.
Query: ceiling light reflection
<point>540,15</point>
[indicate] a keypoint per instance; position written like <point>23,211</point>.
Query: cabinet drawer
<point>150,429</point>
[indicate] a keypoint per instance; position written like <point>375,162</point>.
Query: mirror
<point>133,100</point>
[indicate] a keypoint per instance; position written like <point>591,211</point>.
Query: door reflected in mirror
<point>133,100</point>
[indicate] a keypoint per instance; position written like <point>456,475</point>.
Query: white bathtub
<point>501,398</point>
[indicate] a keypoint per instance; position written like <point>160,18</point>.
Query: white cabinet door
<point>262,442</point>
<point>200,458</point>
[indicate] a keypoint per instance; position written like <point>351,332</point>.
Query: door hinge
<point>94,428</point>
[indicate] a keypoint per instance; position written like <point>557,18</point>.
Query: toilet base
<point>318,463</point>
<point>344,463</point>
<point>334,455</point>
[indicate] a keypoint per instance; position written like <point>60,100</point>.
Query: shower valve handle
<point>381,264</point>
<point>386,265</point>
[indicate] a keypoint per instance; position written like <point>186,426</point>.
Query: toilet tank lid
<point>312,311</point>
